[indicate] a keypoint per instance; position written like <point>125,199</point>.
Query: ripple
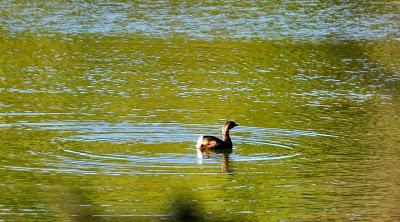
<point>123,164</point>
<point>170,158</point>
<point>165,133</point>
<point>85,160</point>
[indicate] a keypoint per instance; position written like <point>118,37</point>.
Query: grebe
<point>212,142</point>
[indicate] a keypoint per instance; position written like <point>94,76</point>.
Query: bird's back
<point>209,142</point>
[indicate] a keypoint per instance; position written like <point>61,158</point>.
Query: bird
<point>212,142</point>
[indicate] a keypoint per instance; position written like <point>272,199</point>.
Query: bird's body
<point>212,142</point>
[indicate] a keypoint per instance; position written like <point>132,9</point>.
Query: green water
<point>101,104</point>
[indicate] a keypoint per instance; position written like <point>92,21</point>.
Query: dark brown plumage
<point>212,142</point>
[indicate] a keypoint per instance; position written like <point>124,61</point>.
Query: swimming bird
<point>212,142</point>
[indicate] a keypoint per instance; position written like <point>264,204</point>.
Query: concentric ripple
<point>72,158</point>
<point>164,133</point>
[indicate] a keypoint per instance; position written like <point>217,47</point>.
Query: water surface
<point>101,104</point>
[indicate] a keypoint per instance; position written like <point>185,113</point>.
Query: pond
<point>101,105</point>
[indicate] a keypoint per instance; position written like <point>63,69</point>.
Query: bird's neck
<point>225,135</point>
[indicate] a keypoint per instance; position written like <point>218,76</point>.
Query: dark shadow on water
<point>74,203</point>
<point>183,208</point>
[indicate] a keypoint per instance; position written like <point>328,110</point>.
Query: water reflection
<point>207,20</point>
<point>224,153</point>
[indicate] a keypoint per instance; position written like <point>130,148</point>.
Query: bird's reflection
<point>207,153</point>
